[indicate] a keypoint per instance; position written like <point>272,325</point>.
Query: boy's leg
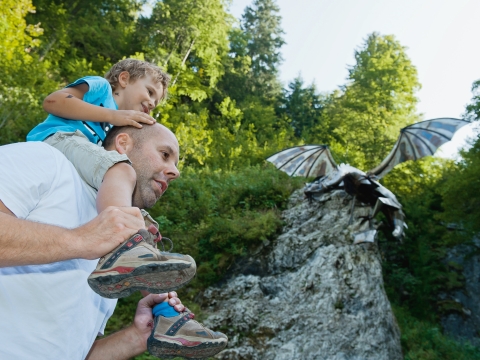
<point>135,264</point>
<point>106,171</point>
<point>117,187</point>
<point>90,160</point>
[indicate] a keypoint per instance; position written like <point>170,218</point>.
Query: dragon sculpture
<point>415,141</point>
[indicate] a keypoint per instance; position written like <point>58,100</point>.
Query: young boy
<point>79,117</point>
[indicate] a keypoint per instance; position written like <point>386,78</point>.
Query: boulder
<point>311,293</point>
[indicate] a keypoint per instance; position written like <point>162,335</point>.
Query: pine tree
<point>261,24</point>
<point>303,106</point>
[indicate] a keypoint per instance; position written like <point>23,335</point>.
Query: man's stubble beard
<point>144,191</point>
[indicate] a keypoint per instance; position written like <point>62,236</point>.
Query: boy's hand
<point>130,118</point>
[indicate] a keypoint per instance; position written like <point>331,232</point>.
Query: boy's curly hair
<point>138,69</point>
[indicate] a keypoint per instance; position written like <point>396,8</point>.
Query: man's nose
<point>172,172</point>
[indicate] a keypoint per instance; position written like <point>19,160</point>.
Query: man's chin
<point>147,200</point>
<point>150,202</point>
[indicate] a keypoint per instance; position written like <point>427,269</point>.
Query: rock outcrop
<point>310,294</point>
<point>463,321</point>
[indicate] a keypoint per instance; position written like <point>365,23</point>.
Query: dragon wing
<point>419,140</point>
<point>306,160</point>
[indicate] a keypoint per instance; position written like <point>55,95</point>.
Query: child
<point>79,117</point>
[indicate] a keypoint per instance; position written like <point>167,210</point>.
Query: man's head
<point>153,151</point>
<point>137,85</point>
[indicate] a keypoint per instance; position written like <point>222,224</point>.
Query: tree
<point>23,79</point>
<point>85,37</point>
<point>379,100</point>
<point>261,25</point>
<point>303,106</point>
<point>250,129</point>
<point>461,199</point>
<point>188,38</point>
<point>473,109</point>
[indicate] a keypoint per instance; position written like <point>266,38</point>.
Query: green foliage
<point>85,37</point>
<point>189,38</point>
<point>461,199</point>
<point>23,80</point>
<point>423,340</point>
<point>414,271</point>
<point>261,25</point>
<point>303,107</point>
<point>473,109</point>
<point>365,118</point>
<point>218,216</point>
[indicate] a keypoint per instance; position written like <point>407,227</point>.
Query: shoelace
<point>161,241</point>
<point>159,238</point>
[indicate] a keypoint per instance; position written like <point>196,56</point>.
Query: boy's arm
<point>68,104</point>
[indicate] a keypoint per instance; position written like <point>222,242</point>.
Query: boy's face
<point>142,94</point>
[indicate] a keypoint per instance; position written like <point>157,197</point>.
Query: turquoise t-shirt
<point>99,93</point>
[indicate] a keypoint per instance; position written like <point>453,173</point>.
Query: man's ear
<point>123,143</point>
<point>123,79</point>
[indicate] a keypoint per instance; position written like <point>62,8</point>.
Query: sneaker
<point>153,227</point>
<point>182,336</point>
<point>138,265</point>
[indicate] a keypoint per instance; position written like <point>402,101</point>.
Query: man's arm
<point>24,242</point>
<point>68,103</point>
<point>132,340</point>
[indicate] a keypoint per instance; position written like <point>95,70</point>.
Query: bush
<point>423,340</point>
<point>218,216</point>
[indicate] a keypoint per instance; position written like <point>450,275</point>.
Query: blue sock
<point>164,309</point>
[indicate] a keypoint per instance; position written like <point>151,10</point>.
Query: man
<point>50,237</point>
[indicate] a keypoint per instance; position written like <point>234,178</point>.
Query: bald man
<point>51,237</point>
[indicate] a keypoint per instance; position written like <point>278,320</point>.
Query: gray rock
<point>464,323</point>
<point>317,295</point>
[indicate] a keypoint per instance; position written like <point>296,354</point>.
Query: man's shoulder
<point>32,174</point>
<point>36,151</point>
<point>29,147</point>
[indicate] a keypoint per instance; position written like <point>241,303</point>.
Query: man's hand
<point>143,320</point>
<point>130,118</point>
<point>105,232</point>
<point>132,340</point>
<point>26,242</point>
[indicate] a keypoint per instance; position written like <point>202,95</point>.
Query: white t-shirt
<point>47,311</point>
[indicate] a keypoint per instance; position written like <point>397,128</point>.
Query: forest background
<point>230,111</point>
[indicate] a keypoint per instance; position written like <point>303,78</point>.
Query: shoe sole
<point>154,278</point>
<point>171,350</point>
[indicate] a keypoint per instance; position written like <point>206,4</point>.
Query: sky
<point>441,37</point>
